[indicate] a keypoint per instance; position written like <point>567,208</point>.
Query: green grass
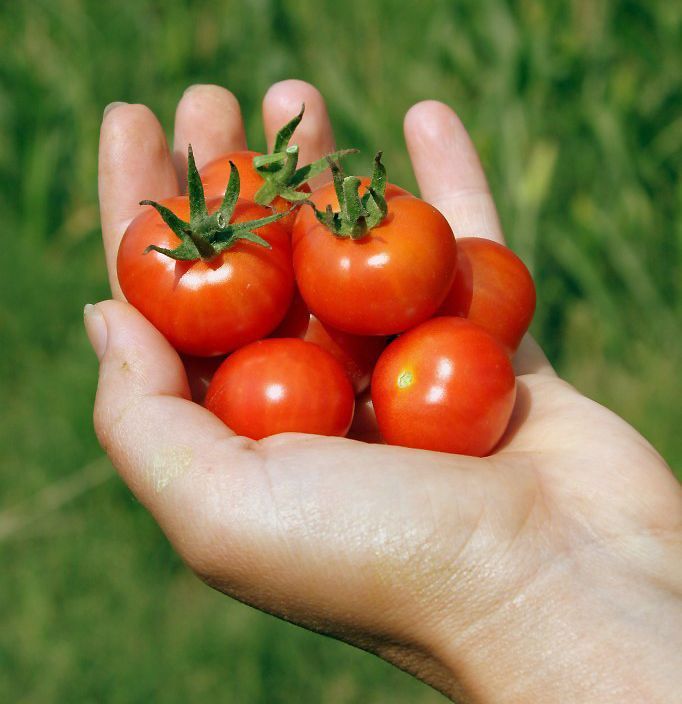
<point>576,108</point>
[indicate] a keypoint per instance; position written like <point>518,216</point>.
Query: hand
<point>547,572</point>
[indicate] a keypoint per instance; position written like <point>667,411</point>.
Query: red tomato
<point>215,175</point>
<point>281,385</point>
<point>356,354</point>
<point>392,279</point>
<point>207,308</point>
<point>446,385</point>
<point>492,288</point>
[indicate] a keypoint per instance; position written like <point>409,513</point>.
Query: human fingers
<point>448,170</point>
<point>209,118</point>
<point>134,163</point>
<point>314,134</point>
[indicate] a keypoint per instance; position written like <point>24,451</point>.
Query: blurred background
<point>576,107</point>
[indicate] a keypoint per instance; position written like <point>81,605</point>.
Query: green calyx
<point>205,236</point>
<point>279,168</point>
<point>357,216</point>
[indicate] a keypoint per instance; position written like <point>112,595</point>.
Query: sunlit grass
<point>575,107</point>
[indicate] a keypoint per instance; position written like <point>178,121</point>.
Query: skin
<point>392,279</point>
<point>493,289</point>
<point>445,385</point>
<point>282,385</point>
<point>548,572</point>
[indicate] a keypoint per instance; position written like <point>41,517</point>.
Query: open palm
<point>442,564</point>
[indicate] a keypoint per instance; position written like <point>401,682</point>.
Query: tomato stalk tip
<point>279,168</point>
<point>357,215</point>
<point>206,235</point>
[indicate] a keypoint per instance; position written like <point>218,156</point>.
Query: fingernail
<point>111,106</point>
<point>96,329</point>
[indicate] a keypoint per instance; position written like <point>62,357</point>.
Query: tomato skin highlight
<point>282,385</point>
<point>215,175</point>
<point>492,288</point>
<point>390,280</point>
<point>207,308</point>
<point>446,385</point>
<point>357,354</point>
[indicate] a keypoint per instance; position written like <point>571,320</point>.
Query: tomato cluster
<point>305,292</point>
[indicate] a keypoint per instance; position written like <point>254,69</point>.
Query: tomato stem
<point>205,236</point>
<point>357,215</point>
<point>279,168</point>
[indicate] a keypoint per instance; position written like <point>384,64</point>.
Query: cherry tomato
<point>282,385</point>
<point>215,174</point>
<point>207,308</point>
<point>492,288</point>
<point>393,278</point>
<point>356,354</point>
<point>446,385</point>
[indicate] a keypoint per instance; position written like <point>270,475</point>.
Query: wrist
<point>594,630</point>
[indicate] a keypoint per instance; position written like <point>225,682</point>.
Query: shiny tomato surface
<point>207,308</point>
<point>282,385</point>
<point>492,288</point>
<point>357,354</point>
<point>392,279</point>
<point>446,385</point>
<point>216,174</point>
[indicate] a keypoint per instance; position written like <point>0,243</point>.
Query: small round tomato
<point>446,385</point>
<point>492,288</point>
<point>369,258</point>
<point>207,308</point>
<point>388,280</point>
<point>281,385</point>
<point>215,174</point>
<point>357,354</point>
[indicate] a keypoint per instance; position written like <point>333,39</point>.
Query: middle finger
<point>207,117</point>
<point>314,135</point>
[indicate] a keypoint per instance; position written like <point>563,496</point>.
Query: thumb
<point>158,440</point>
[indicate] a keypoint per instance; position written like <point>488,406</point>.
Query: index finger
<point>134,163</point>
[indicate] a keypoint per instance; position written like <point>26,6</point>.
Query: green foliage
<point>575,107</point>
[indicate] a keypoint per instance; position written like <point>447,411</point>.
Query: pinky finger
<point>449,172</point>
